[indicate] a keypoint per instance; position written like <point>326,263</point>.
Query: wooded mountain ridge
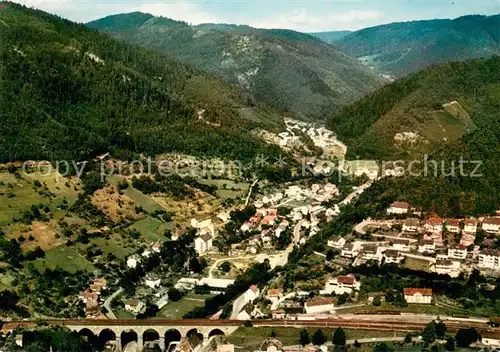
<point>288,70</point>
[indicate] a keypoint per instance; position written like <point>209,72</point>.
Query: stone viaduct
<point>162,332</point>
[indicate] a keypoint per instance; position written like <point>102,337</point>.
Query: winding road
<point>109,300</point>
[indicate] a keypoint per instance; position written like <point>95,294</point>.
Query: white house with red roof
<point>319,306</point>
<point>491,225</point>
<point>398,208</point>
<point>434,225</point>
<point>340,285</point>
<point>470,226</point>
<point>453,225</point>
<point>418,295</point>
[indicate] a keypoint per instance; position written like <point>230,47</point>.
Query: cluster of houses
<point>91,296</point>
<point>305,206</point>
<point>134,260</point>
<point>321,136</point>
<point>448,244</point>
<point>325,305</point>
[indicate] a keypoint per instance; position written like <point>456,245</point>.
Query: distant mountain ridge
<point>405,47</point>
<point>286,69</point>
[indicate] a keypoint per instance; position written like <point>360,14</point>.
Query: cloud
<point>356,16</point>
<point>302,20</point>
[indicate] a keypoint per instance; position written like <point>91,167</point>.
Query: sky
<point>300,15</point>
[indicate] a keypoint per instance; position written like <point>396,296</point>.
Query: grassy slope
<point>288,70</point>
<point>414,104</point>
<point>401,48</point>
<point>61,101</point>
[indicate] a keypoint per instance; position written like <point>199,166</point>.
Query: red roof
<point>401,205</point>
<point>273,292</point>
<point>320,302</point>
<point>267,219</point>
<point>434,221</point>
<point>471,222</point>
<point>453,222</point>
<point>492,221</point>
<point>413,291</point>
<point>346,279</point>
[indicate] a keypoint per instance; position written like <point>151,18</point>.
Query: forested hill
<point>68,91</point>
<point>402,48</point>
<point>445,189</point>
<point>288,70</point>
<point>420,113</point>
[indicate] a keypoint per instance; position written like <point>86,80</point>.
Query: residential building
<point>350,251</point>
<point>340,285</point>
<point>470,226</point>
<point>490,339</point>
<point>372,252</point>
<point>293,191</point>
<point>467,239</point>
<point>398,208</point>
<point>152,281</point>
<point>271,345</point>
<point>215,286</point>
<point>146,253</point>
<point>133,261</point>
<point>393,256</point>
<point>491,225</point>
<point>88,295</point>
<point>453,225</point>
<point>411,225</point>
<point>203,243</point>
<point>331,212</point>
<point>92,309</point>
<point>274,294</point>
<point>331,189</point>
<point>426,246</point>
<point>401,244</point>
<point>239,304</point>
<point>134,306</point>
<point>447,267</point>
<point>246,226</point>
<point>336,242</point>
<point>372,295</point>
<point>418,295</point>
<point>278,314</point>
<point>442,254</point>
<point>319,306</point>
<point>156,247</point>
<point>201,222</point>
<point>434,225</point>
<point>102,282</point>
<point>489,259</point>
<point>457,252</point>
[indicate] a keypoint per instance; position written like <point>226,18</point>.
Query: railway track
<point>380,325</point>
